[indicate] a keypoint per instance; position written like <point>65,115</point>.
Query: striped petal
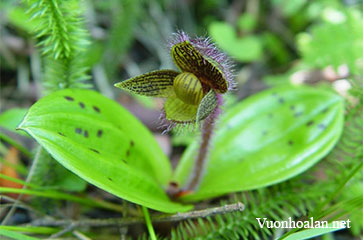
<point>188,59</point>
<point>157,84</point>
<point>207,105</point>
<point>178,111</point>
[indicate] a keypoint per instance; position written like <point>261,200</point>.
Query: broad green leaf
<point>26,229</point>
<point>267,138</point>
<point>15,235</point>
<point>101,142</point>
<point>314,232</point>
<point>248,48</point>
<point>51,174</point>
<point>11,118</point>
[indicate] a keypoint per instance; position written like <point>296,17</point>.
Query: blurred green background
<point>271,42</point>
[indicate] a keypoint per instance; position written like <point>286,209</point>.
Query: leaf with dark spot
<point>310,123</point>
<point>94,150</point>
<point>140,180</point>
<point>96,109</point>
<point>81,104</point>
<point>99,133</point>
<point>244,159</point>
<point>69,98</point>
<point>325,110</point>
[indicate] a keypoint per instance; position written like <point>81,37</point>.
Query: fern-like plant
<point>62,40</point>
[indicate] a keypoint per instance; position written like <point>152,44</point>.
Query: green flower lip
<point>191,93</point>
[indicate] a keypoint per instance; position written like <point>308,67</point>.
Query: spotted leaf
<point>268,138</point>
<point>101,142</point>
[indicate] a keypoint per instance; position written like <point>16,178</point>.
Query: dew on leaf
<point>99,133</point>
<point>94,150</point>
<point>96,109</point>
<point>69,98</point>
<point>310,123</point>
<point>78,130</point>
<point>81,104</point>
<point>281,100</point>
<point>270,115</point>
<point>264,133</point>
<point>292,107</point>
<point>321,126</point>
<point>85,134</point>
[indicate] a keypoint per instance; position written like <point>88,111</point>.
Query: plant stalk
<point>201,160</point>
<point>149,224</point>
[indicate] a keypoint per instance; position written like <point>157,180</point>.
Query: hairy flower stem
<point>207,133</point>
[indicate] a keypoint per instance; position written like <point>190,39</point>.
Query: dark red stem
<point>201,160</point>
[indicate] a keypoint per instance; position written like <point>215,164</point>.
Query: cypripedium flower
<point>192,93</point>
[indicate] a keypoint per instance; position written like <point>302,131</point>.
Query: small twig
<point>67,229</point>
<point>80,235</point>
<point>235,207</point>
<point>120,222</point>
<point>27,180</point>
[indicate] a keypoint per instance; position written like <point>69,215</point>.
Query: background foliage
<point>48,45</point>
